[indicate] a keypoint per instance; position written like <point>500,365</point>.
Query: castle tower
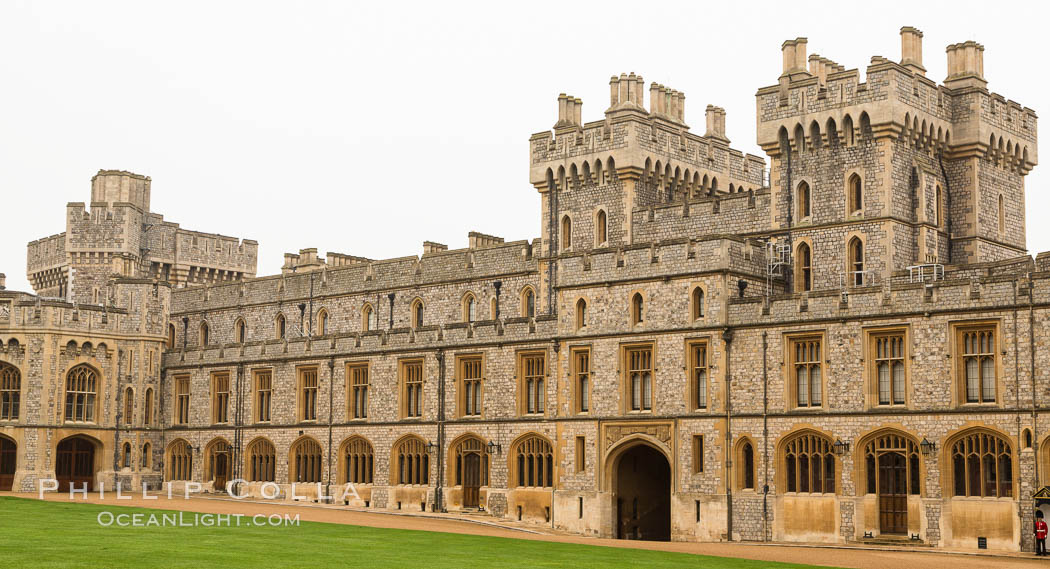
<point>895,171</point>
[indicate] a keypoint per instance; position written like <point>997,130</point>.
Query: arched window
<point>10,392</point>
<point>809,464</point>
<point>147,456</point>
<point>81,391</point>
<point>746,464</point>
<point>147,408</point>
<point>847,130</point>
<point>893,456</point>
<point>637,309</point>
<point>803,268</point>
<point>814,135</point>
<point>566,233</point>
<point>803,201</point>
<point>322,322</point>
<point>306,460</point>
<point>204,334</point>
<point>982,465</point>
<point>469,446</point>
<point>212,453</point>
<point>470,307</point>
<point>698,303</point>
<point>241,330</point>
<point>865,126</point>
<point>853,188</point>
<point>1026,438</point>
<point>413,462</point>
<point>581,313</point>
<point>528,303</point>
<point>125,456</point>
<point>534,461</point>
<point>368,318</point>
<point>358,461</point>
<point>262,461</point>
<point>1002,215</point>
<point>180,460</point>
<point>856,261</point>
<point>800,139</point>
<point>601,229</point>
<point>279,327</point>
<point>129,406</point>
<point>417,314</point>
<point>171,336</point>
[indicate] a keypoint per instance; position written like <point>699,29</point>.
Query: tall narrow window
<point>803,201</point>
<point>171,336</point>
<point>528,303</point>
<point>358,461</point>
<point>807,367</point>
<point>263,394</point>
<point>412,389</point>
<point>306,466</point>
<point>368,318</point>
<point>639,379</point>
<point>581,454</point>
<point>698,454</point>
<point>147,408</point>
<point>10,392</point>
<point>180,460</point>
<point>279,327</point>
<point>470,386</point>
<point>204,333</point>
<point>358,377</point>
<point>601,233</point>
<point>582,387</point>
<point>803,268</point>
<point>853,187</point>
<point>322,322</point>
<point>856,261</point>
<point>747,466</point>
<point>81,391</point>
<point>566,233</point>
<point>182,400</point>
<point>262,461</point>
<point>470,308</point>
<point>698,303</point>
<point>129,406</point>
<point>937,219</point>
<point>533,371</point>
<point>977,364</point>
<point>699,374</point>
<point>147,456</point>
<point>581,313</point>
<point>417,314</point>
<point>308,394</point>
<point>637,309</point>
<point>220,398</point>
<point>242,331</point>
<point>889,368</point>
<point>1002,215</point>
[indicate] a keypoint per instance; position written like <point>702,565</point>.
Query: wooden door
<point>75,464</point>
<point>8,458</point>
<point>893,493</point>
<point>221,475</point>
<point>471,480</point>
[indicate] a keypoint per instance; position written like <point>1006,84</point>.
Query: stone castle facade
<point>837,347</point>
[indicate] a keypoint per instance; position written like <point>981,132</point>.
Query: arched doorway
<point>218,453</point>
<point>75,464</point>
<point>8,459</point>
<point>891,467</point>
<point>643,494</point>
<point>471,469</point>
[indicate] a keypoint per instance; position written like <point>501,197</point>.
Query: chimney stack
<point>911,50</point>
<point>716,123</point>
<point>3,281</point>
<point>965,65</point>
<point>626,90</point>
<point>794,52</point>
<point>570,111</point>
<point>433,247</point>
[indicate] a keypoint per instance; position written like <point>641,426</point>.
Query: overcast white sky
<point>367,129</point>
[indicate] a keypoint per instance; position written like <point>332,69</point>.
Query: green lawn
<point>56,534</point>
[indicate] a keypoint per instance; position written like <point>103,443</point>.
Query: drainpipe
<point>331,380</point>
<point>1031,353</point>
<point>727,337</point>
<point>238,436</point>
<point>438,501</point>
<point>948,209</point>
<point>765,436</point>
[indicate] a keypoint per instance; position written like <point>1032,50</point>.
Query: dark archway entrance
<point>643,495</point>
<point>8,459</point>
<point>893,493</point>
<point>75,464</point>
<point>221,474</point>
<point>471,480</point>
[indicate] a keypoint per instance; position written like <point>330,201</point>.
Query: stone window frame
<point>413,448</point>
<point>406,388</point>
<point>579,314</point>
<point>11,391</point>
<point>535,449</point>
<point>461,362</point>
<point>257,415</point>
<point>523,299</point>
<point>417,312</point>
<point>181,408</point>
<point>852,263</point>
<point>580,453</point>
<point>872,334</point>
<point>146,458</point>
<point>306,403</point>
<point>240,330</point>
<point>148,401</point>
<point>356,461</point>
<point>369,318</point>
<point>575,353</point>
<point>601,226</point>
<point>1001,216</point>
<point>465,303</point>
<point>626,395</point>
<point>800,269</point>
<point>521,357</point>
<point>636,307</point>
<point>697,302</point>
<point>280,327</point>
<point>565,233</point>
<point>306,461</point>
<point>220,400</point>
<point>740,478</point>
<point>854,203</point>
<point>957,331</point>
<point>171,336</point>
<point>178,460</point>
<point>260,454</point>
<point>698,454</point>
<point>781,471</point>
<point>975,434</point>
<point>129,406</point>
<point>790,386</point>
<point>354,389</point>
<point>803,203</point>
<point>204,338</point>
<point>691,344</point>
<point>323,318</point>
